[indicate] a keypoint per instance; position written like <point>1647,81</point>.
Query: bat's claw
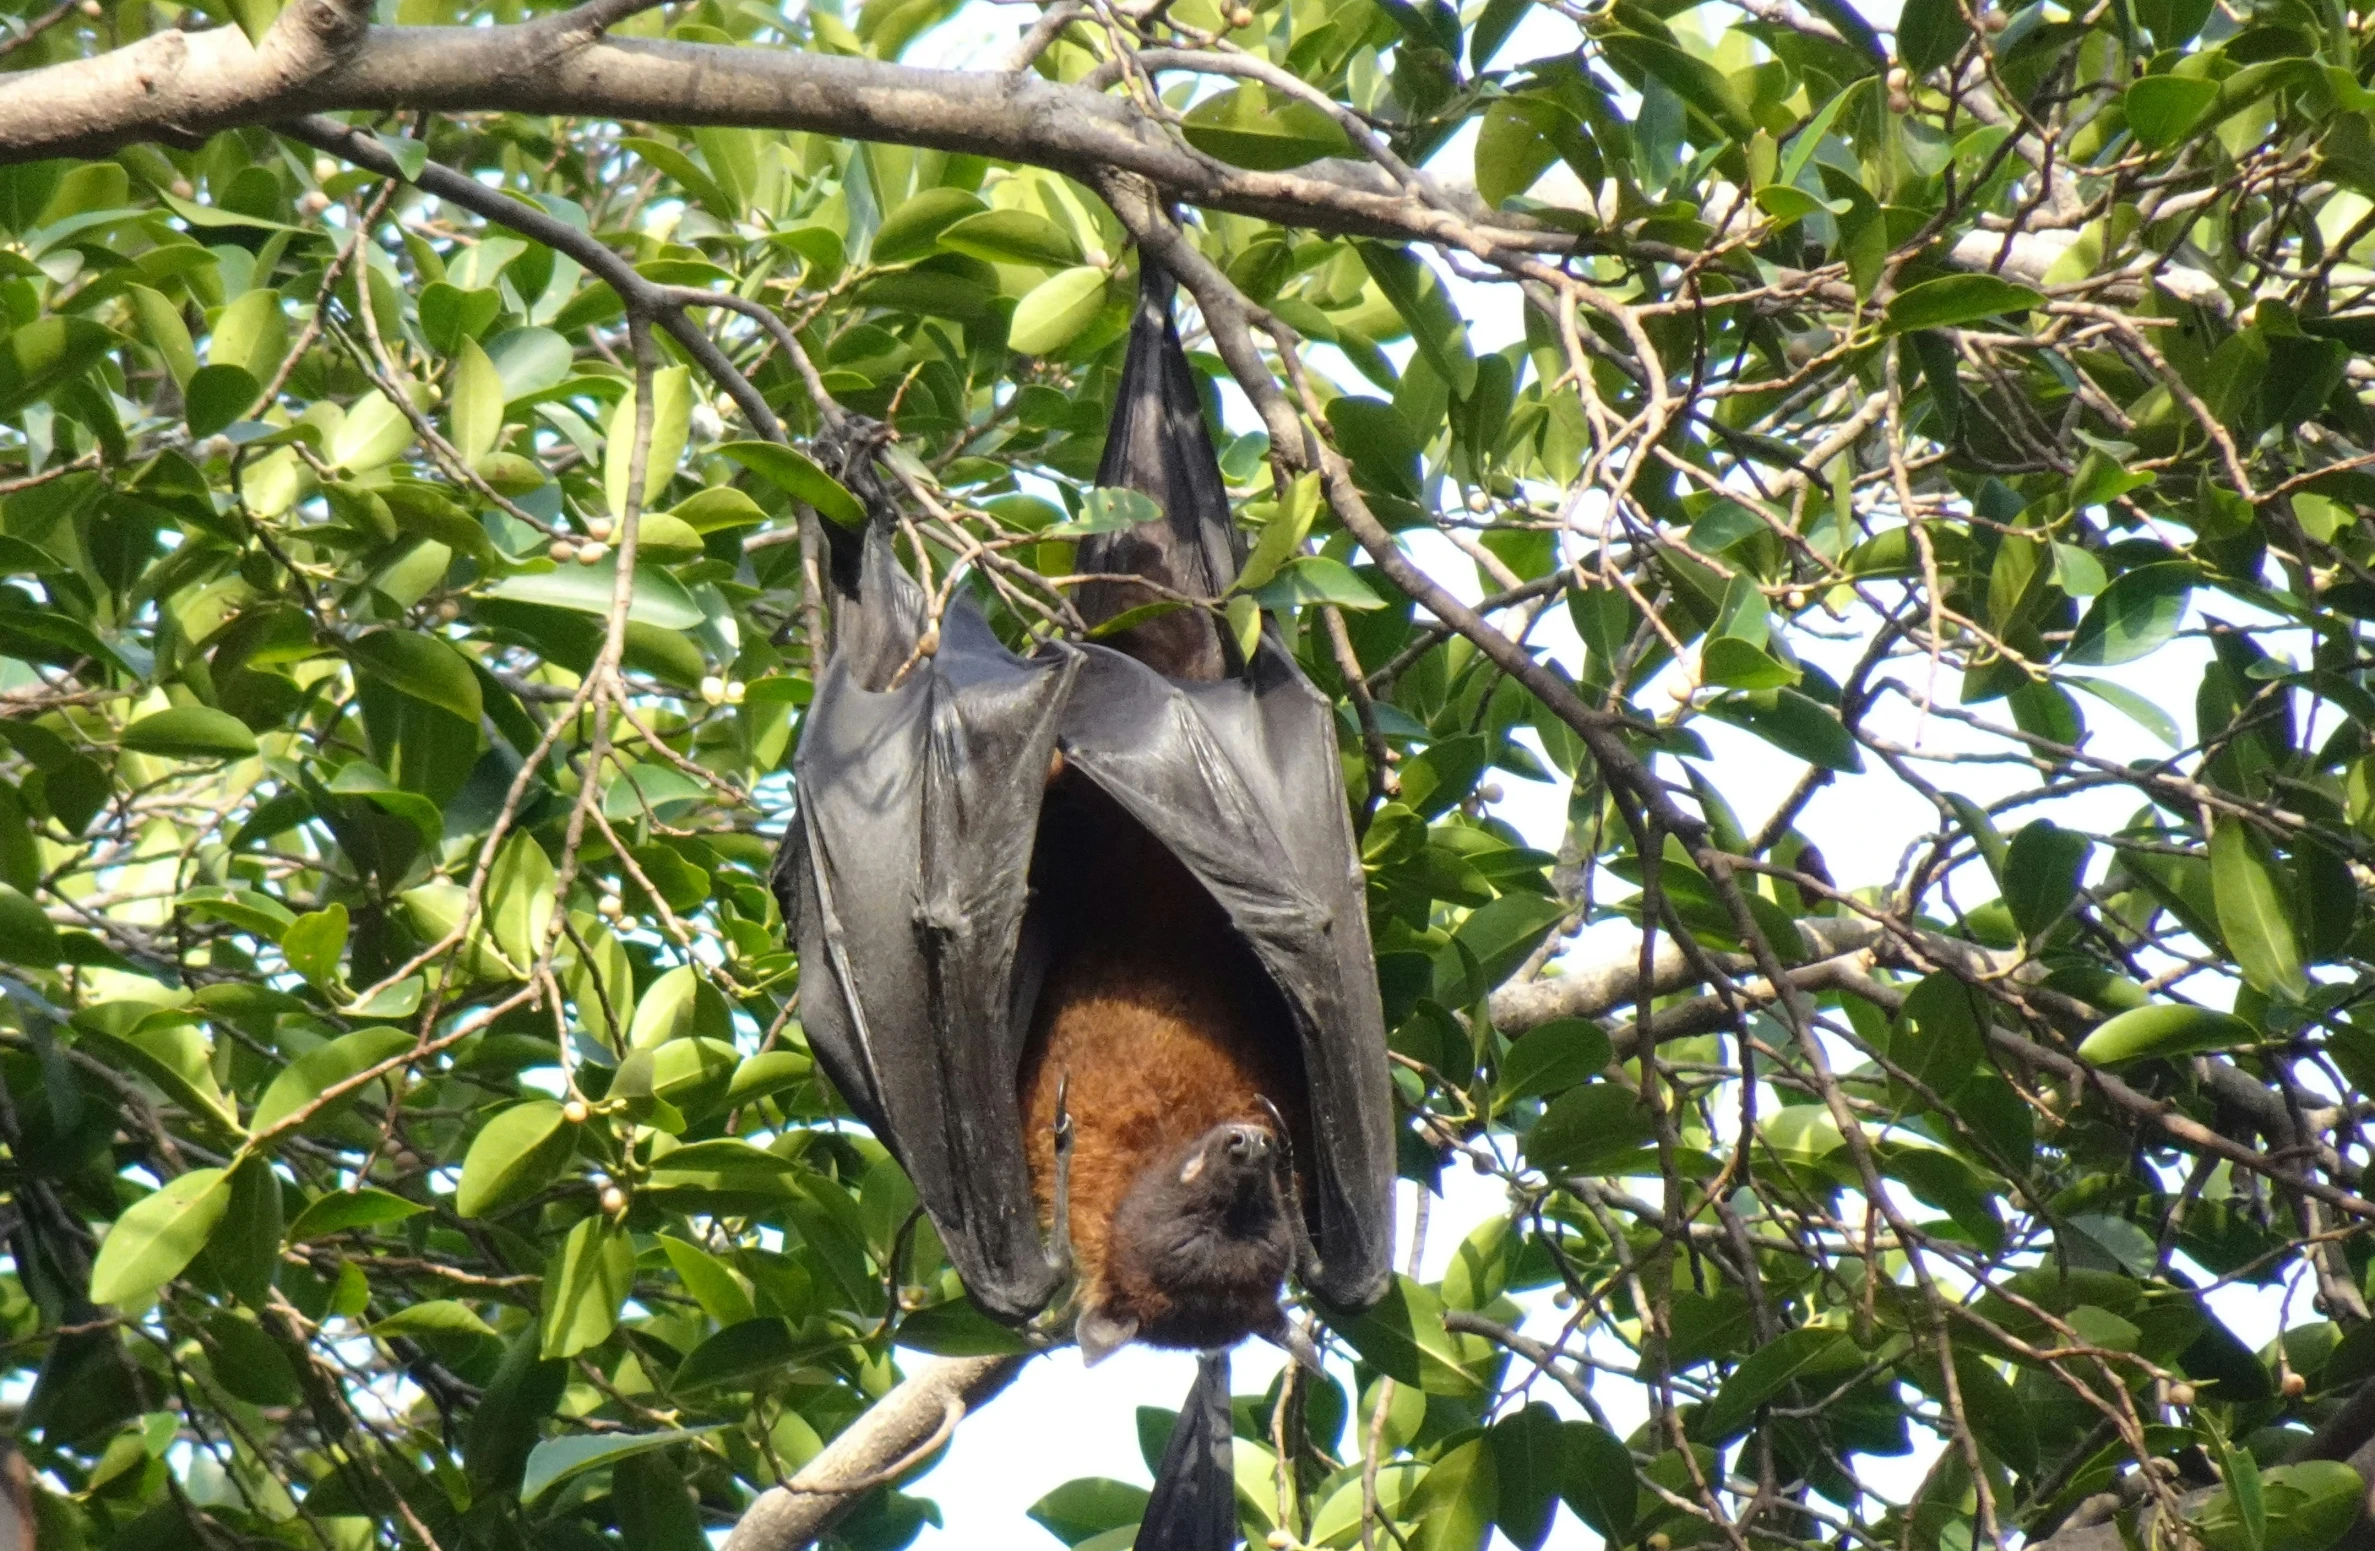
<point>1059,1230</point>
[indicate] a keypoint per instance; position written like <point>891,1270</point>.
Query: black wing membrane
<point>905,870</point>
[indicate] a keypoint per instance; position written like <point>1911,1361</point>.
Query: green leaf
<point>1556,1056</point>
<point>557,1459</point>
<point>315,942</point>
<point>658,599</point>
<point>2254,915</point>
<point>913,230</point>
<point>1089,1506</point>
<point>2128,703</point>
<point>583,1289</point>
<point>1056,310</point>
<point>519,898</point>
<point>1316,579</point>
<point>514,1156</point>
<point>191,732</point>
<point>672,411</point>
<point>422,666</point>
<point>1953,300</point>
<point>1419,296</point>
<point>1251,126</point>
<point>1699,84</point>
<point>1403,1336</point>
<point>1529,1453</point>
<point>1940,1034</point>
<point>435,1317</point>
<point>1929,34</point>
<point>1516,144</point>
<point>2163,109</point>
<point>1600,1484</point>
<point>752,1349</point>
<point>712,1283</point>
<point>1454,1505</point>
<point>1807,1352</point>
<point>796,474</point>
<point>45,355</point>
<point>687,173</point>
<point>1588,1130</point>
<point>1795,723</point>
<point>2138,614</point>
<point>717,509</point>
<point>252,332</point>
<point>2162,1031</point>
<point>157,1238</point>
<point>1107,509</point>
<point>305,1079</point>
<point>2041,875</point>
<point>26,935</point>
<point>478,399</point>
<point>244,1248</point>
<point>1012,237</point>
<point>161,324</point>
<point>344,1210</point>
<point>216,396</point>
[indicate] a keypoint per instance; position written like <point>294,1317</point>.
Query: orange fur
<point>1155,1018</point>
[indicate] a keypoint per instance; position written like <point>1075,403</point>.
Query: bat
<point>1083,940</point>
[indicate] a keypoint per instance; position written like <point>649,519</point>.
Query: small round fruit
<point>1478,501</point>
<point>1490,792</point>
<point>591,552</point>
<point>562,551</point>
<point>1277,1539</point>
<point>324,169</point>
<point>448,610</point>
<point>713,690</point>
<point>1898,78</point>
<point>575,1112</point>
<point>180,188</point>
<point>610,907</point>
<point>1900,103</point>
<point>600,528</point>
<point>92,8</point>
<point>2294,1386</point>
<point>1239,16</point>
<point>928,644</point>
<point>614,1200</point>
<point>735,690</point>
<point>2181,1395</point>
<point>1994,21</point>
<point>1562,1299</point>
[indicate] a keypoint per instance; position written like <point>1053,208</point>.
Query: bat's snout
<point>1248,1144</point>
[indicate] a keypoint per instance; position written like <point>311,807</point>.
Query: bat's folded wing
<point>1239,779</point>
<point>906,877</point>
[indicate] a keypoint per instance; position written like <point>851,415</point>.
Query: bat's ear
<point>1289,1338</point>
<point>1101,1334</point>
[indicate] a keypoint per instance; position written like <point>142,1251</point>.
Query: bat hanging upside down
<point>1083,939</point>
<point>1155,1089</point>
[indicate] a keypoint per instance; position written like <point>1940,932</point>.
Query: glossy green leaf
<point>2162,1031</point>
<point>191,732</point>
<point>514,1156</point>
<point>157,1238</point>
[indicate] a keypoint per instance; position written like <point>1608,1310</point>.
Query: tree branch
<point>180,85</point>
<point>909,1421</point>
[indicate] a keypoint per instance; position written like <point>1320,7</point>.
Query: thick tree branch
<point>177,85</point>
<point>896,1429</point>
